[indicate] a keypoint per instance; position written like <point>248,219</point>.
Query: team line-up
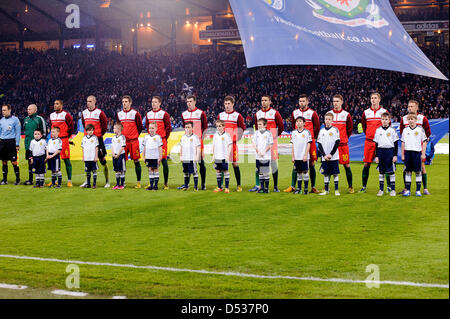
<point>381,145</point>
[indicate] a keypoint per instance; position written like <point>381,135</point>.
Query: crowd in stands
<point>41,77</point>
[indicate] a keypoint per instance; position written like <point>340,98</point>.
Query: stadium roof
<point>43,18</point>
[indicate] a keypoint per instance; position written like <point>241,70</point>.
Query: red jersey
<point>274,121</point>
<point>64,121</point>
<point>312,122</point>
<point>132,123</point>
<point>422,121</point>
<point>97,118</point>
<point>342,120</point>
<point>233,121</point>
<point>371,120</point>
<point>162,119</point>
<point>198,117</point>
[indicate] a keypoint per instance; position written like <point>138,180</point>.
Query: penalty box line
<point>233,274</point>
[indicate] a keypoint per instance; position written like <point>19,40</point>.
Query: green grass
<point>274,234</point>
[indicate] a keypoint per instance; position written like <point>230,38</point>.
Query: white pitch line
<point>234,274</point>
<point>119,297</point>
<point>16,287</point>
<point>69,293</point>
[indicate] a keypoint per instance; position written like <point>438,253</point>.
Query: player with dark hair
<point>190,153</point>
<point>275,126</point>
<point>89,145</point>
<point>62,119</point>
<point>312,124</point>
<point>328,144</point>
<point>200,124</point>
<point>235,127</point>
<point>132,127</point>
<point>386,140</point>
<point>342,120</point>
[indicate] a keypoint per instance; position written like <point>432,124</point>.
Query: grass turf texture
<point>274,234</point>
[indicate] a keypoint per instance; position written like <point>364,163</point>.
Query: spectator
<point>40,77</point>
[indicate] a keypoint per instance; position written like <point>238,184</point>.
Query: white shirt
<point>385,137</point>
<point>328,138</point>
<point>262,140</point>
<point>300,141</point>
<point>54,145</point>
<point>89,145</point>
<point>189,146</point>
<point>38,148</point>
<point>117,142</point>
<point>220,144</point>
<point>413,138</point>
<point>152,144</point>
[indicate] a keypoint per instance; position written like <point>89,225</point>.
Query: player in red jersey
<point>64,121</point>
<point>275,126</point>
<point>132,127</point>
<point>370,120</point>
<point>235,127</point>
<point>312,124</point>
<point>198,118</point>
<point>96,117</point>
<point>163,129</point>
<point>342,120</point>
<point>422,121</point>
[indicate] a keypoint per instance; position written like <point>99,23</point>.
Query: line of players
<point>132,126</point>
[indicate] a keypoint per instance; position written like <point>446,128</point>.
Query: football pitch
<point>181,244</point>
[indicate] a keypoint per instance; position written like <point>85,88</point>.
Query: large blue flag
<point>363,33</point>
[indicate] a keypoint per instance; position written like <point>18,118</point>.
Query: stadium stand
<point>40,77</point>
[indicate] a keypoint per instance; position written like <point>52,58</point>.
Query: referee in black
<point>9,143</point>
